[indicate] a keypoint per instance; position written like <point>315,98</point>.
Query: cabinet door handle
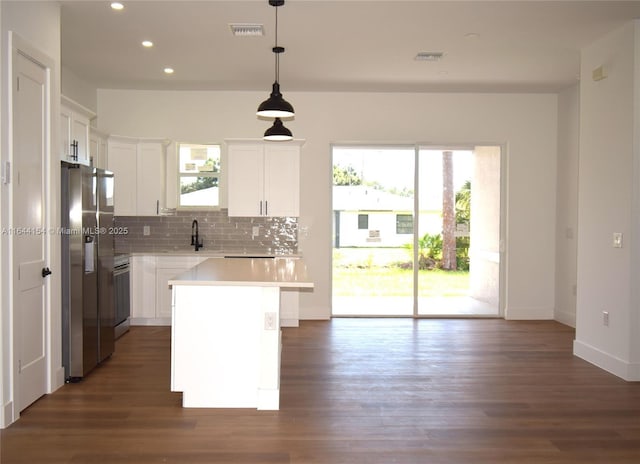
<point>260,207</point>
<point>266,207</point>
<point>157,207</point>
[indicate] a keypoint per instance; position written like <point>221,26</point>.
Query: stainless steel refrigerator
<point>88,312</point>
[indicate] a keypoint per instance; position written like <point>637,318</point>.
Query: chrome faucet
<point>196,241</point>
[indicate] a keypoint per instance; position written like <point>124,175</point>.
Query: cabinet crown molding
<point>128,139</point>
<point>295,142</point>
<point>77,107</point>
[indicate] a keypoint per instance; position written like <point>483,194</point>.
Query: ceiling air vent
<point>247,30</point>
<point>429,56</point>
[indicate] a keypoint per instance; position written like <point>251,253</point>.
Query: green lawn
<point>375,272</point>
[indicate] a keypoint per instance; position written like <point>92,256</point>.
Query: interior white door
<point>29,247</point>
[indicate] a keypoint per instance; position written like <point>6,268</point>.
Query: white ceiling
<point>341,45</point>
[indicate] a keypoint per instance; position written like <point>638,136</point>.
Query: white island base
<point>225,339</point>
<point>227,346</point>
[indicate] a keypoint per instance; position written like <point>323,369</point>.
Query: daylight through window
<point>199,168</point>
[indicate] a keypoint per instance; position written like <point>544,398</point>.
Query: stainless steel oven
<point>121,291</point>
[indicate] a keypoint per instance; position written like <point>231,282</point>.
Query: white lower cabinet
<point>150,293</point>
<point>143,290</point>
<point>151,297</point>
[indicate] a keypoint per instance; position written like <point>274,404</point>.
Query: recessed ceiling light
<point>247,30</point>
<point>147,43</point>
<point>168,70</point>
<point>472,35</point>
<point>117,6</point>
<point>429,56</point>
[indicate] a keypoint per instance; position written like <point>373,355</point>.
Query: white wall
<point>567,205</point>
<point>608,202</point>
<point>525,124</point>
<point>78,90</point>
<point>37,26</point>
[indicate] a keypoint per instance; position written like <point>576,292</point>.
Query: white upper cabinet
<point>263,178</point>
<point>151,177</point>
<point>139,167</point>
<point>74,132</point>
<point>122,161</point>
<point>98,148</point>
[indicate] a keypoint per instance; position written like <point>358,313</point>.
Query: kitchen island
<point>225,340</point>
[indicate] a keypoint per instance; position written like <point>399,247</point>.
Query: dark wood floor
<point>353,391</point>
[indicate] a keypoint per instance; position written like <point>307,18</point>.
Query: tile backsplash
<point>219,232</point>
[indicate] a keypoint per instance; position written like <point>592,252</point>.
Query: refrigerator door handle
<point>46,271</point>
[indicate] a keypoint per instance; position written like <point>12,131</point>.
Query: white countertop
<point>262,272</point>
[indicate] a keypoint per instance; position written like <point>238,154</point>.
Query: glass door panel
<point>373,204</point>
<point>459,230</point>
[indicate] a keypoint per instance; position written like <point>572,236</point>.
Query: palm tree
<point>449,261</point>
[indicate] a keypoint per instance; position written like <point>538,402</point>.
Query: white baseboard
<point>166,321</point>
<point>7,415</point>
<point>616,366</point>
<point>268,399</point>
<point>57,380</point>
<point>528,314</point>
<point>566,318</point>
<point>315,314</point>
<point>150,321</point>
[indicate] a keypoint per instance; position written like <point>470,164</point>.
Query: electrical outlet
<point>270,321</point>
<point>146,230</point>
<point>255,231</point>
<point>605,318</point>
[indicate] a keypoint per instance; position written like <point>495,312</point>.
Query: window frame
<point>214,174</point>
<point>406,225</point>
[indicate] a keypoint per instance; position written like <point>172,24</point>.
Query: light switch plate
<point>270,321</point>
<point>617,240</point>
<point>146,230</point>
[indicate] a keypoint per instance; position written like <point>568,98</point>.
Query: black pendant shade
<point>278,132</point>
<point>275,106</point>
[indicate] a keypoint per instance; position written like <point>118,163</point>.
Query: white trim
<point>566,318</point>
<point>7,412</point>
<point>16,45</point>
<point>77,107</point>
<point>166,321</point>
<point>616,366</point>
<point>530,313</point>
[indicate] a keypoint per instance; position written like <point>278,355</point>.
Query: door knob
<point>45,271</point>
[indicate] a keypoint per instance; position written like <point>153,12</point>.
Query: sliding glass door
<point>416,231</point>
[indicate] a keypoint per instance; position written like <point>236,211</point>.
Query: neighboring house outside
<point>203,197</point>
<point>367,217</point>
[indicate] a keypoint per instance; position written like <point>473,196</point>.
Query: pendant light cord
<point>275,50</point>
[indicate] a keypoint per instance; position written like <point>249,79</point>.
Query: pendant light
<point>276,106</point>
<point>278,132</point>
